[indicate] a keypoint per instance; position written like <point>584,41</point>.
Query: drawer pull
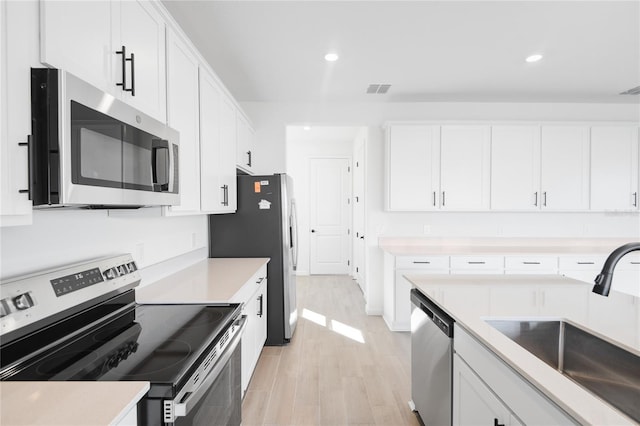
<point>531,263</point>
<point>586,263</point>
<point>476,262</point>
<point>426,262</point>
<point>635,263</point>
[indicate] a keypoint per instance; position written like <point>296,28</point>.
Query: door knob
<point>313,230</point>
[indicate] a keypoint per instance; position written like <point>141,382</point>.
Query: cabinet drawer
<point>422,262</point>
<point>589,262</point>
<point>477,263</point>
<point>533,264</point>
<point>630,262</point>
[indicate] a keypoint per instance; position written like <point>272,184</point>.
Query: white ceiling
<point>428,50</point>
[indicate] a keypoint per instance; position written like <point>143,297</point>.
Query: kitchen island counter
<point>470,299</point>
<point>68,403</point>
<point>217,280</point>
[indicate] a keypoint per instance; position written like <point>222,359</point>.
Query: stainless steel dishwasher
<point>431,361</point>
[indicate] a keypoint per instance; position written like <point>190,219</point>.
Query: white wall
<point>298,154</point>
<point>270,121</point>
<point>61,236</point>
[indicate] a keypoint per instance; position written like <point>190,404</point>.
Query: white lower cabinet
<point>477,264</point>
<point>255,332</point>
<point>533,264</point>
<point>129,419</point>
<point>473,402</point>
<point>486,389</point>
<point>398,314</point>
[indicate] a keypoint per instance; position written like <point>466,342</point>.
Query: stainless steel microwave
<point>88,148</point>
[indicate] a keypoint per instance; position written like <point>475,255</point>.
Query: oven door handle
<point>181,409</point>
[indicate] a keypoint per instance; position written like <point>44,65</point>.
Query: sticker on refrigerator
<point>256,187</point>
<point>264,205</point>
<point>264,182</point>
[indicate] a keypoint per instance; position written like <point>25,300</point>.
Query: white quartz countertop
<point>471,298</point>
<point>68,403</point>
<point>407,246</point>
<point>217,280</point>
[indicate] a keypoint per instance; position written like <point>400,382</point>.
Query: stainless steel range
<point>81,322</point>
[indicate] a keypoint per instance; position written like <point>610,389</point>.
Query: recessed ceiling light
<point>307,127</point>
<point>331,57</point>
<point>533,58</point>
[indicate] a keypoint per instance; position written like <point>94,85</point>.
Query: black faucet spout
<point>603,280</point>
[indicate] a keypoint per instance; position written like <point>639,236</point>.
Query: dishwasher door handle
<point>443,321</point>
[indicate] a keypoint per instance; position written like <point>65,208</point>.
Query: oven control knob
<point>122,270</point>
<point>132,266</point>
<point>110,273</point>
<point>5,308</point>
<point>22,302</point>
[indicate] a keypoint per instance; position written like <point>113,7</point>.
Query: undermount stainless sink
<point>606,370</point>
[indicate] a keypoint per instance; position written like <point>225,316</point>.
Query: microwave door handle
<point>181,409</point>
<point>156,146</point>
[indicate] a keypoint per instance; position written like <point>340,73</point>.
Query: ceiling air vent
<point>634,91</point>
<point>378,89</point>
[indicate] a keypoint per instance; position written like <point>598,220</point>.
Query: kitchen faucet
<point>603,280</point>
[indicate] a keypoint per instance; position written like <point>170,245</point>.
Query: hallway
<point>342,366</point>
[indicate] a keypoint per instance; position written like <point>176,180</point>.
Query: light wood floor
<point>326,378</point>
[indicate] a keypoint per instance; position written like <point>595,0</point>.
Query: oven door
<point>217,400</point>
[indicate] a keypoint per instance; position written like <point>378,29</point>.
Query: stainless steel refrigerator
<point>264,226</point>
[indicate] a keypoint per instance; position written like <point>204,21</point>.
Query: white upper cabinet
<point>245,157</point>
<point>140,28</point>
<point>217,148</point>
<point>565,168</point>
<point>614,168</point>
<point>183,114</point>
<point>465,167</point>
<point>86,45</point>
<point>18,53</point>
<point>413,168</point>
<point>81,45</point>
<point>515,167</point>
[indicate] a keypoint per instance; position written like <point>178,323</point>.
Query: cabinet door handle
<point>249,158</point>
<point>426,262</point>
<point>635,199</point>
<point>123,52</point>
<point>30,165</point>
<point>260,308</point>
<point>476,262</point>
<point>434,198</point>
<point>544,198</point>
<point>260,280</point>
<point>535,202</point>
<point>531,263</point>
<point>585,263</point>
<point>133,76</point>
<point>442,198</point>
<point>496,423</point>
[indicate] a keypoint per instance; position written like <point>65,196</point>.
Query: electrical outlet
<point>139,255</point>
<point>426,229</point>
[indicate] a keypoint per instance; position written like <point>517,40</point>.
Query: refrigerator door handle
<point>293,233</point>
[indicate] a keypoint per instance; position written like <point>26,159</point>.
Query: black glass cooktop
<point>155,343</point>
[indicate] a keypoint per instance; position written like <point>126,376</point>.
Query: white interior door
<point>329,215</point>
